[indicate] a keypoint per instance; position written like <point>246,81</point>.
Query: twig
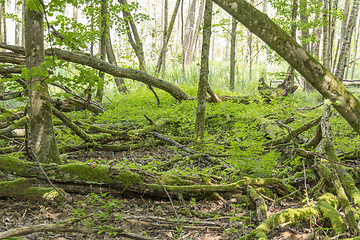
<point>318,155</point>
<point>309,108</point>
<point>306,191</point>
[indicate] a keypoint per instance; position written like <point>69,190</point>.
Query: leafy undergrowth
<point>232,135</point>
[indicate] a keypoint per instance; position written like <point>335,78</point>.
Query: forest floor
<point>236,148</point>
<point>152,217</point>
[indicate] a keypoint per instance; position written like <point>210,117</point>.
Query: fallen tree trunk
<point>88,60</point>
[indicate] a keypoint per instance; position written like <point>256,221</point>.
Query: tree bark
<point>102,43</point>
<point>135,41</point>
<point>189,31</point>
<point>232,53</point>
<point>88,60</point>
<point>41,126</point>
<point>319,77</point>
<point>111,58</point>
<point>204,73</point>
<point>347,41</point>
<point>167,36</point>
<point>194,43</point>
<point>325,51</point>
<point>2,24</point>
<point>17,25</point>
<point>355,53</point>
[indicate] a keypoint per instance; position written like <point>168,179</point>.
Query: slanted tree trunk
<point>135,42</point>
<point>167,35</point>
<point>204,73</point>
<point>232,53</point>
<point>347,40</point>
<point>111,57</point>
<point>319,77</point>
<point>41,127</point>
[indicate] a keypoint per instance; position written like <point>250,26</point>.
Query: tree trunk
<point>111,57</point>
<point>305,34</point>
<point>102,46</point>
<point>189,31</point>
<point>135,41</point>
<point>23,25</point>
<point>319,77</point>
<point>347,40</point>
<point>75,14</point>
<point>315,46</point>
<point>232,53</point>
<point>41,126</point>
<point>167,36</point>
<point>2,24</point>
<point>355,53</point>
<point>334,4</point>
<point>204,73</point>
<point>196,33</point>
<point>17,25</point>
<point>325,51</point>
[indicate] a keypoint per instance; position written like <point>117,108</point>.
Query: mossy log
<point>23,188</point>
<point>16,124</point>
<point>122,180</point>
<point>261,208</point>
<point>327,205</point>
<point>279,218</point>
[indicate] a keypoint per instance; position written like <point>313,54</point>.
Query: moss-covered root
<point>333,177</point>
<point>327,205</point>
<point>22,188</point>
<point>261,208</point>
<point>279,218</point>
<point>347,180</point>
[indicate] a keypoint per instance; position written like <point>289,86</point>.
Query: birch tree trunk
<point>332,19</point>
<point>347,40</point>
<point>319,77</point>
<point>355,53</point>
<point>189,31</point>
<point>196,32</point>
<point>204,74</point>
<point>2,24</point>
<point>232,53</point>
<point>325,50</point>
<point>17,25</point>
<point>41,127</point>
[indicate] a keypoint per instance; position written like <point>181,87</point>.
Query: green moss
<point>170,179</point>
<point>74,171</point>
<point>329,198</point>
<point>10,164</point>
<point>128,178</point>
